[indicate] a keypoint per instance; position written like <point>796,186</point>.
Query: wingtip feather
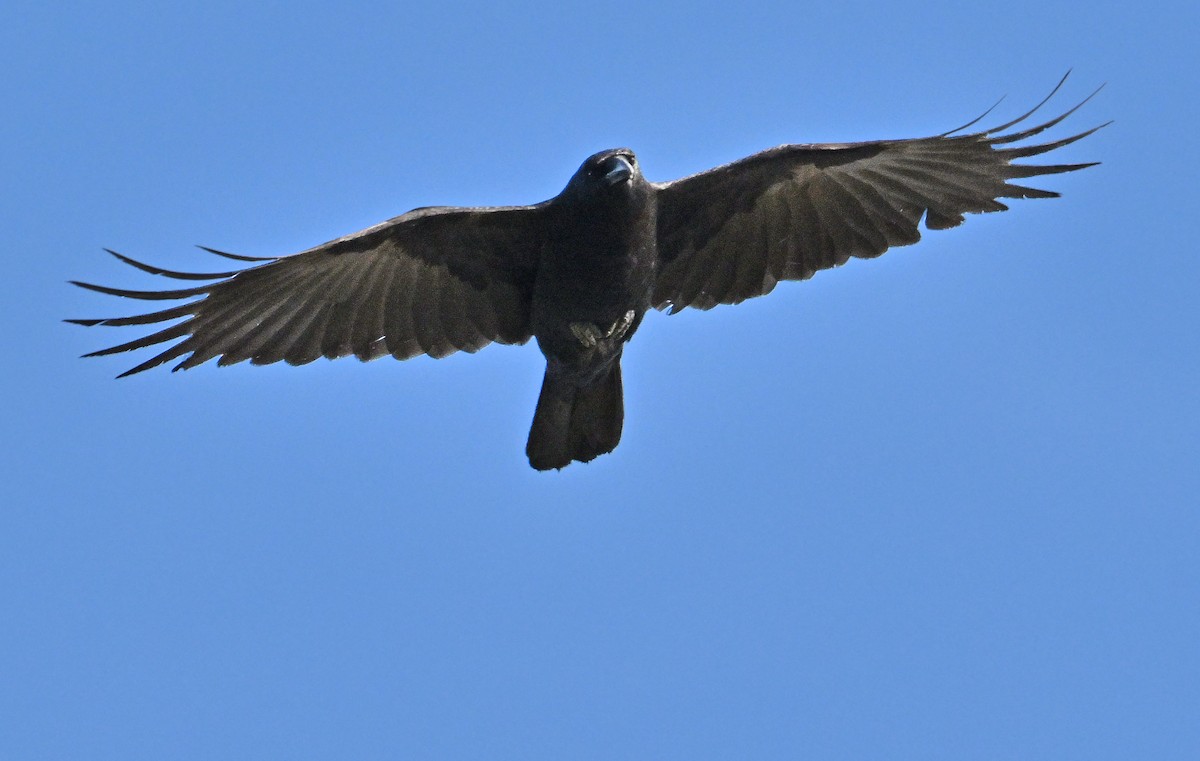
<point>184,293</point>
<point>1034,110</point>
<point>236,257</point>
<point>155,270</point>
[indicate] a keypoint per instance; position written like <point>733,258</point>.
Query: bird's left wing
<point>733,232</point>
<point>432,281</point>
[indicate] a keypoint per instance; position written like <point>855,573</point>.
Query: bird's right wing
<point>432,281</point>
<point>733,232</point>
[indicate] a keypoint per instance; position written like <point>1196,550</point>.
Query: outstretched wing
<point>431,281</point>
<point>733,232</point>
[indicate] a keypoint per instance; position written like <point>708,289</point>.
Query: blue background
<point>940,505</point>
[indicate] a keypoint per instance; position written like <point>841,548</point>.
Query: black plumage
<point>580,271</point>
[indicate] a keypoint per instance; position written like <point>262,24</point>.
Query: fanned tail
<point>576,423</point>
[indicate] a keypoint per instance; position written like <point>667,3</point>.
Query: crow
<point>579,272</point>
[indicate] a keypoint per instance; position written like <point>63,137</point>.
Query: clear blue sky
<point>939,505</point>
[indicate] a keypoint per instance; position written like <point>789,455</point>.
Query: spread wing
<point>431,281</point>
<point>733,232</point>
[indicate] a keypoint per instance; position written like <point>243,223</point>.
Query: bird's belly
<point>584,310</point>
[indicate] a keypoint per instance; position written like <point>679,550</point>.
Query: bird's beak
<point>618,169</point>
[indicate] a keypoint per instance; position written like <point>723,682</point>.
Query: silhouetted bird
<point>580,271</point>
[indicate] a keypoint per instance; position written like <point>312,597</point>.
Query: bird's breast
<point>592,276</point>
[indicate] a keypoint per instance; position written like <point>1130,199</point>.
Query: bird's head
<point>605,172</point>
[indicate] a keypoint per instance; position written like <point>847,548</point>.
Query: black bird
<point>580,271</point>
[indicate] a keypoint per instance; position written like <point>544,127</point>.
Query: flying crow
<point>580,271</point>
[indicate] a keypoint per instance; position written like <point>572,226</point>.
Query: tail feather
<point>576,423</point>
